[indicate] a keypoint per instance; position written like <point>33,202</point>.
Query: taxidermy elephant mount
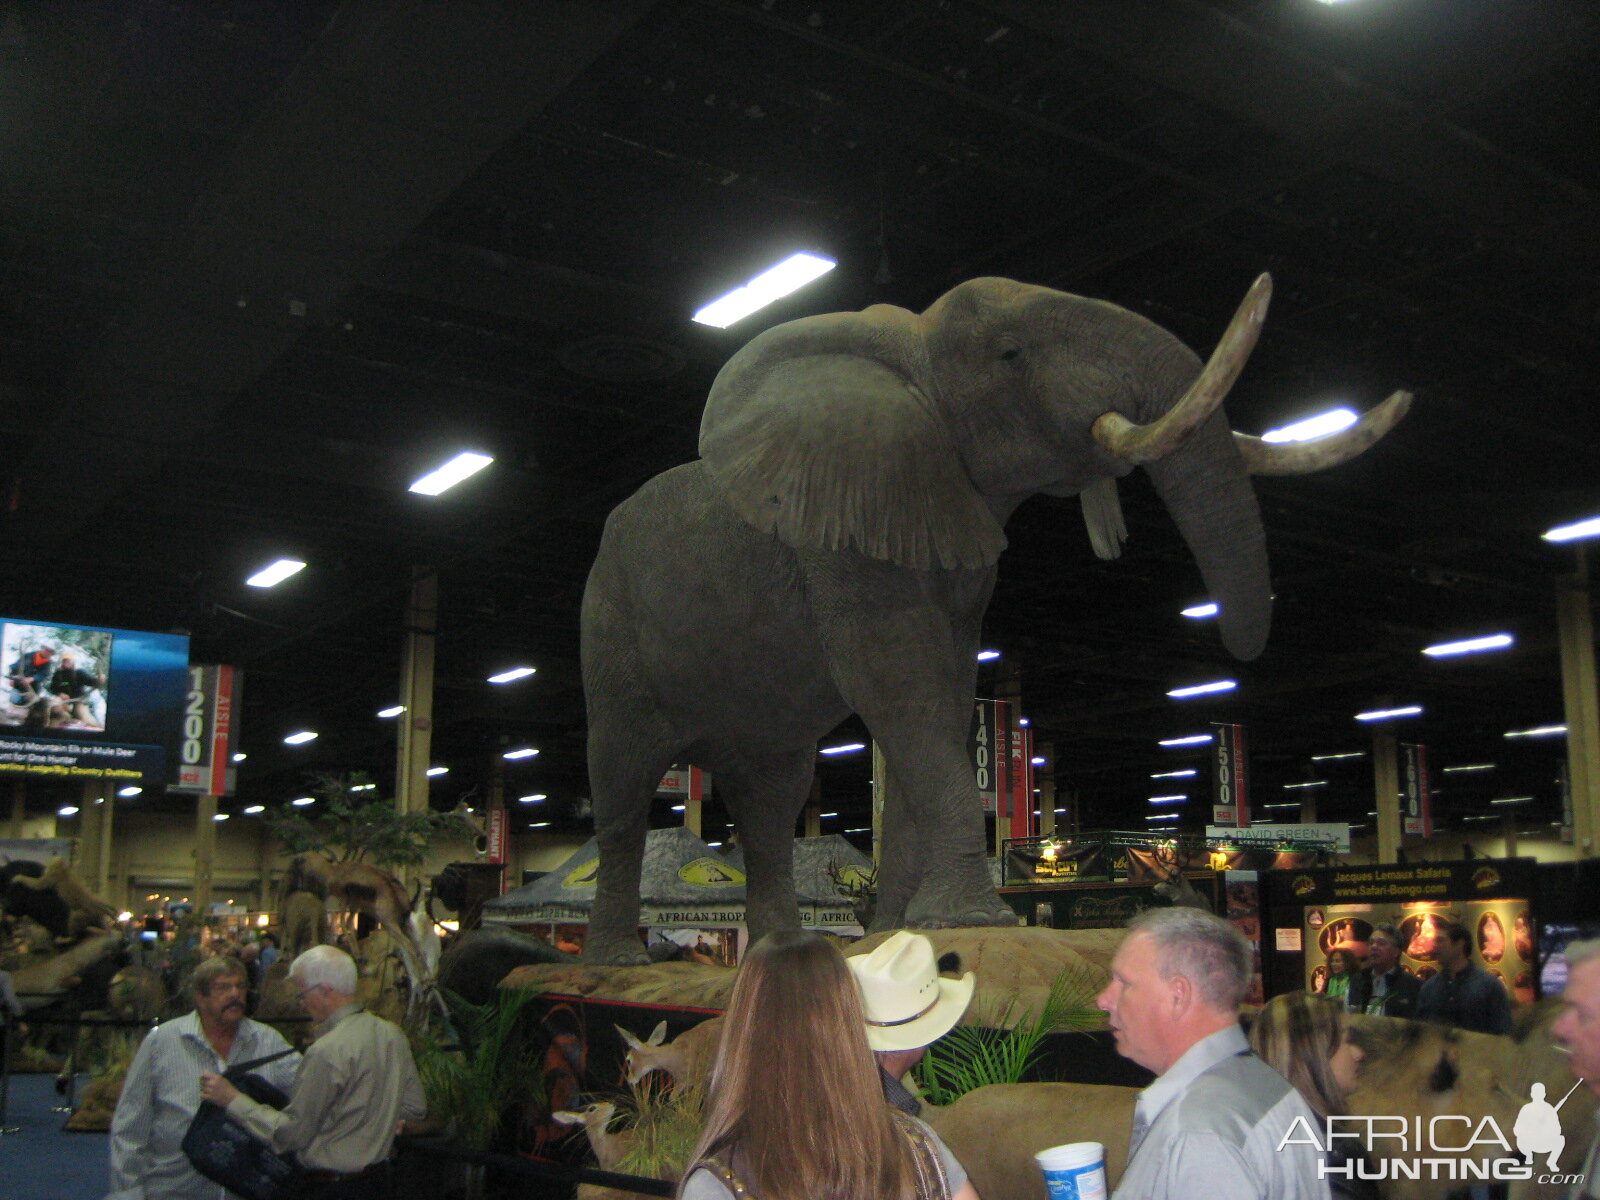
<point>834,549</point>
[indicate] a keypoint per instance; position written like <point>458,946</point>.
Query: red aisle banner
<point>1415,790</point>
<point>981,743</point>
<point>1001,751</point>
<point>497,835</point>
<point>1023,823</point>
<point>1230,778</point>
<point>205,750</point>
<point>684,783</point>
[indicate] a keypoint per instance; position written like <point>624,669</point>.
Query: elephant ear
<point>814,438</point>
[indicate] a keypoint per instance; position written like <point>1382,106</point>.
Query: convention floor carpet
<point>40,1161</point>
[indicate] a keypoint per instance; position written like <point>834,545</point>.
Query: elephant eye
<point>1010,354</point>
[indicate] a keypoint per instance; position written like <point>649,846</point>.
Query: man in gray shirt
<point>1217,1118</point>
<point>162,1090</point>
<point>358,1082</point>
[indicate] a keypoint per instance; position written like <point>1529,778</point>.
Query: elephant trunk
<point>1206,487</point>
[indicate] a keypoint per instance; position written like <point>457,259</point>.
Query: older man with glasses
<point>357,1084</point>
<point>1385,988</point>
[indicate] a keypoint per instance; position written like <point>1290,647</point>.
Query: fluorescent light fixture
<point>677,808</point>
<point>1024,721</point>
<point>440,479</point>
<point>1386,714</point>
<point>438,770</point>
<point>1497,641</point>
<point>532,798</point>
<point>1278,806</point>
<point>538,824</point>
<point>825,816</point>
<point>254,809</point>
<point>1312,428</point>
<point>1168,799</point>
<point>1061,810</point>
<point>300,739</point>
<point>1199,612</point>
<point>67,810</point>
<point>275,573</point>
<point>1037,760</point>
<point>1306,784</point>
<point>394,710</point>
<point>524,752</point>
<point>513,675</point>
<point>1161,816</point>
<point>129,791</point>
<point>790,275</point>
<point>303,801</point>
<point>1485,817</point>
<point>1184,774</point>
<point>364,787</point>
<point>1333,757</point>
<point>988,655</point>
<point>1204,689</point>
<point>1469,767</point>
<point>220,817</point>
<point>847,748</point>
<point>1570,533</point>
<point>1194,739</point>
<point>863,829</point>
<point>1513,800</point>
<point>240,757</point>
<point>1539,731</point>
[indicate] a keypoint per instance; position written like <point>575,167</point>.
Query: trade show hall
<point>575,577</point>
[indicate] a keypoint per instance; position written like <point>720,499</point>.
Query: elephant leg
<point>765,796</point>
<point>900,859</point>
<point>945,821</point>
<point>626,761</point>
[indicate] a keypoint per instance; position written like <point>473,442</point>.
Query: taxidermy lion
<point>85,910</point>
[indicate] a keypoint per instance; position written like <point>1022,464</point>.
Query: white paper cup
<point>1076,1171</point>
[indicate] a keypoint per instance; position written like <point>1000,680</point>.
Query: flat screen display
<point>81,701</point>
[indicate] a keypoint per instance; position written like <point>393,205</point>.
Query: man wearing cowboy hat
<point>909,1006</point>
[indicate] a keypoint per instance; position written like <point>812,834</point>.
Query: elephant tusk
<point>1144,443</point>
<point>1301,458</point>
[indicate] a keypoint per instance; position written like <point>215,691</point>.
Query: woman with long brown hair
<point>796,1110</point>
<point>1306,1039</point>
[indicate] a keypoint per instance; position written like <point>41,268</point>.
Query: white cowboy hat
<point>908,1003</point>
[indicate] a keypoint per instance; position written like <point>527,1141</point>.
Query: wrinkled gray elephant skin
<point>834,549</point>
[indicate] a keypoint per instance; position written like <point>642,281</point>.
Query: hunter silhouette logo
<point>1451,1146</point>
<point>708,872</point>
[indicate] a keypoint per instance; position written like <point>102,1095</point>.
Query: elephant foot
<point>962,914</point>
<point>614,952</point>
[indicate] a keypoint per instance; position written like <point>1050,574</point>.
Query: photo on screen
<point>56,678</point>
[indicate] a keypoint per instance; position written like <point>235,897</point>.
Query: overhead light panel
<point>1335,757</point>
<point>440,479</point>
<point>300,739</point>
<point>532,798</point>
<point>538,824</point>
<point>1308,783</point>
<point>847,748</point>
<point>988,655</point>
<point>394,710</point>
<point>1538,731</point>
<point>1389,714</point>
<point>1037,760</point>
<point>67,810</point>
<point>1161,816</point>
<point>253,809</point>
<point>1469,767</point>
<point>1194,739</point>
<point>790,275</point>
<point>275,573</point>
<point>1184,774</point>
<point>524,752</point>
<point>1513,800</point>
<point>1204,689</point>
<point>1571,533</point>
<point>364,787</point>
<point>438,771</point>
<point>1168,799</point>
<point>129,791</point>
<point>1497,641</point>
<point>240,757</point>
<point>219,816</point>
<point>677,808</point>
<point>303,801</point>
<point>1312,428</point>
<point>1200,611</point>
<point>513,675</point>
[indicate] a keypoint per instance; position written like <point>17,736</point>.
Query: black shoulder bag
<point>227,1153</point>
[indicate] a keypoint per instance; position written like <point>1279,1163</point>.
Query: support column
<point>87,858</point>
<point>1045,779</point>
<point>19,805</point>
<point>1308,806</point>
<point>205,852</point>
<point>694,816</point>
<point>106,802</point>
<point>1574,617</point>
<point>415,752</point>
<point>1386,791</point>
<point>1510,830</point>
<point>880,791</point>
<point>813,812</point>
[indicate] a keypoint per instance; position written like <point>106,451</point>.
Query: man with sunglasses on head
<point>358,1082</point>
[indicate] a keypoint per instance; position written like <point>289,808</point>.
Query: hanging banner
<point>205,750</point>
<point>684,783</point>
<point>1415,791</point>
<point>981,742</point>
<point>1023,823</point>
<point>1229,778</point>
<point>1565,784</point>
<point>497,831</point>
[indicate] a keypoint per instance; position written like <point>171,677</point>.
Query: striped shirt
<point>159,1100</point>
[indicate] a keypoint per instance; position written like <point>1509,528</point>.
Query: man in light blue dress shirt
<point>1215,1118</point>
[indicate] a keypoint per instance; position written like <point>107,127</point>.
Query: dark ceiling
<point>262,262</point>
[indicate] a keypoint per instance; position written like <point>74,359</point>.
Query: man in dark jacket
<point>1385,988</point>
<point>1463,994</point>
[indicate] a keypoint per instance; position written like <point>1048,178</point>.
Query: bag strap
<point>932,1182</point>
<point>723,1174</point>
<point>241,1068</point>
